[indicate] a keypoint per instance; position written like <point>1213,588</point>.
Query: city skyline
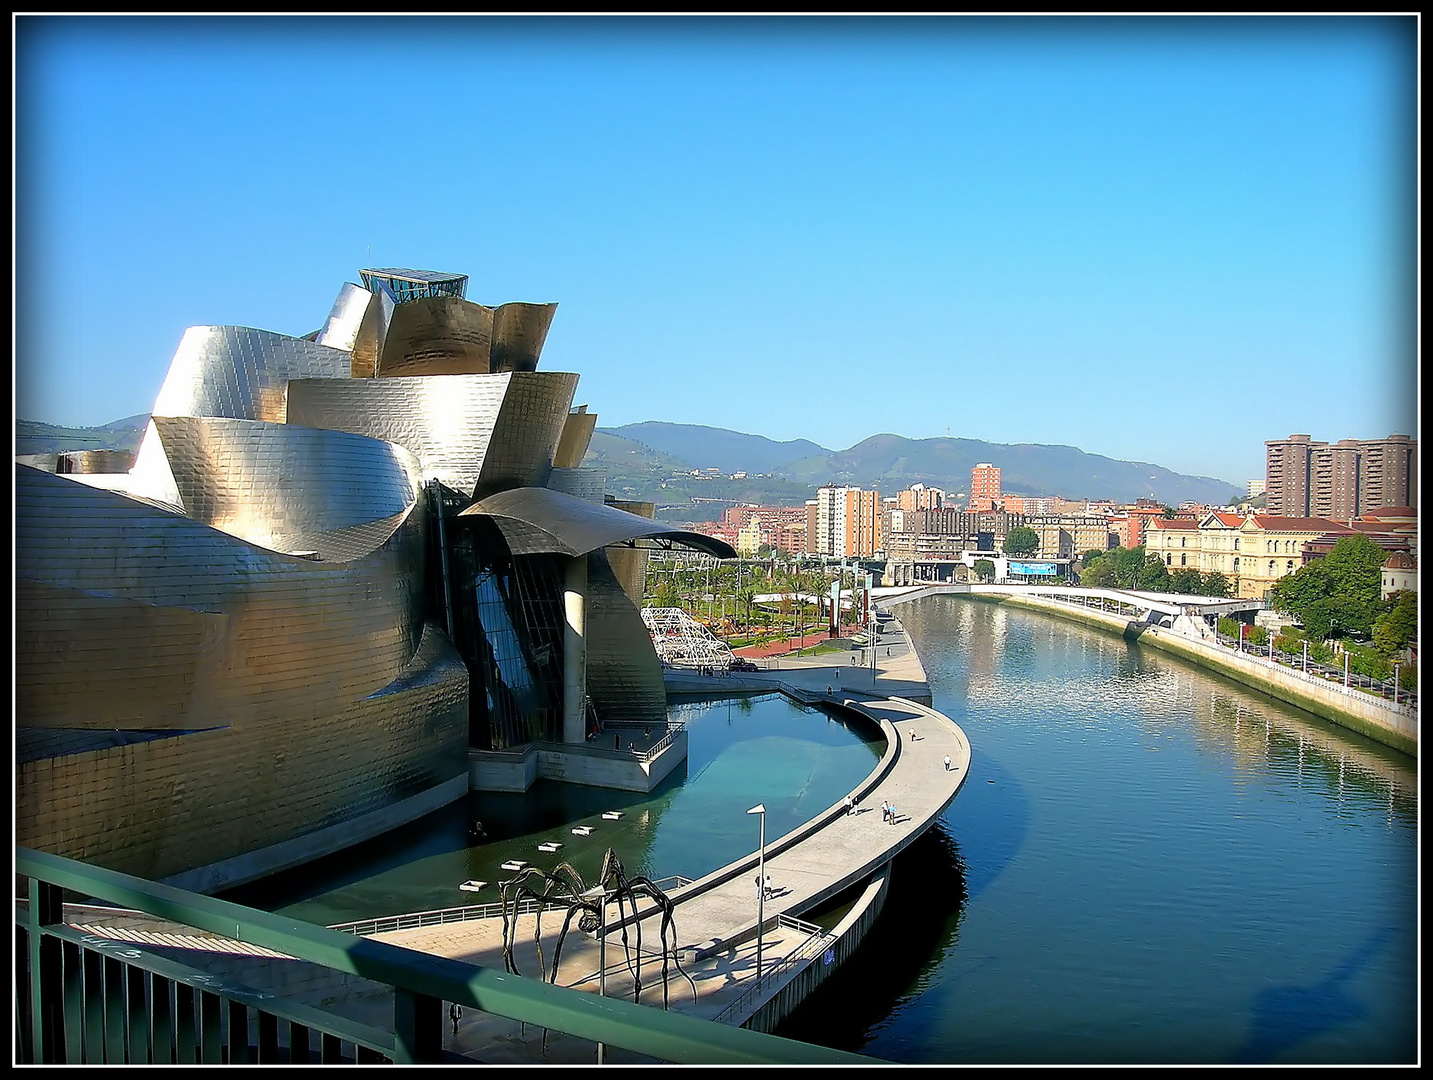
<point>1164,240</point>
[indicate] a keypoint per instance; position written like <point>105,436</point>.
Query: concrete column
<point>574,652</point>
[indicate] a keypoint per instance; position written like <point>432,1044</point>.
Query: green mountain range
<point>656,462</point>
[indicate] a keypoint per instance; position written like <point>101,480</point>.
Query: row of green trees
<point>1134,568</point>
<point>723,594</point>
<point>1341,596</point>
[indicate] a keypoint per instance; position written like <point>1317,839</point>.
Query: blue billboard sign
<point>1035,569</point>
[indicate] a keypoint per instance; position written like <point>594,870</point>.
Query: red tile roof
<point>1292,524</point>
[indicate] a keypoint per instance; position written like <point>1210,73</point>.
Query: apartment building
<point>984,488</point>
<point>847,522</point>
<point>1304,478</point>
<point>1065,536</point>
<point>919,497</point>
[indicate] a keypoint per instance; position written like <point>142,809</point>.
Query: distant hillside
<point>638,471</point>
<point>36,437</point>
<point>655,461</point>
<point>717,448</point>
<point>891,462</point>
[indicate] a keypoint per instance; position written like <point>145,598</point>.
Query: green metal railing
<point>85,999</point>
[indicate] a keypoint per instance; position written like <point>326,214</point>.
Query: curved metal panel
<point>629,564</point>
<point>624,676</point>
<point>519,332</point>
<point>151,477</point>
<point>300,635</point>
<point>340,329</point>
<point>283,486</point>
<point>588,484</point>
<point>372,333</point>
<point>576,437</point>
<point>438,335</point>
<point>242,373</point>
<point>536,520</point>
<point>527,430</point>
<point>499,428</point>
<point>163,806</point>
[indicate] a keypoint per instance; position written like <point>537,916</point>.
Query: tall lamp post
<point>760,808</point>
<point>599,893</point>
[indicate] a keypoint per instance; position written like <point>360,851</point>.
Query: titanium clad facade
<point>588,484</point>
<point>624,676</point>
<point>282,486</point>
<point>439,335</point>
<point>466,430</point>
<point>242,373</point>
<point>283,633</point>
<point>576,438</point>
<point>519,333</point>
<point>284,629</point>
<point>340,329</point>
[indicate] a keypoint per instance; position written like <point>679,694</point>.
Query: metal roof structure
<point>539,520</point>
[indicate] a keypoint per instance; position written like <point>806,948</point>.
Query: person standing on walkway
<point>893,813</point>
<point>947,763</point>
<point>768,886</point>
<point>455,1014</point>
<point>885,810</point>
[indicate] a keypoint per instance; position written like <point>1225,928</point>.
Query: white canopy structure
<point>681,641</point>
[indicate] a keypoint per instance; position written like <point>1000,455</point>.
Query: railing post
<point>417,1027</point>
<point>47,1034</point>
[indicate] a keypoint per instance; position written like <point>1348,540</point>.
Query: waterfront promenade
<point>716,916</point>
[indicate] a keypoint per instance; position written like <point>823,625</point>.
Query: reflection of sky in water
<point>1163,866</point>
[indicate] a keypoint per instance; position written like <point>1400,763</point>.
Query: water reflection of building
<point>339,562</point>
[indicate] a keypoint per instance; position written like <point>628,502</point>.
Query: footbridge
<point>1181,611</point>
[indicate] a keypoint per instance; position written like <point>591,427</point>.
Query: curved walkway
<point>716,916</point>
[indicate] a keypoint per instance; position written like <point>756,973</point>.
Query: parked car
<point>738,664</point>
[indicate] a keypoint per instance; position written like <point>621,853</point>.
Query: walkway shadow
<point>1286,1016</point>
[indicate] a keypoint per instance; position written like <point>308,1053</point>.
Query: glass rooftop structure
<point>403,285</point>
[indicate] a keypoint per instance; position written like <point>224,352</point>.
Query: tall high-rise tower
<point>1286,475</point>
<point>984,487</point>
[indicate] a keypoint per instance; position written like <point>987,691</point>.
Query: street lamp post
<point>599,893</point>
<point>760,808</point>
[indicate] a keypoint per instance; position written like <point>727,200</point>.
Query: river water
<point>1147,864</point>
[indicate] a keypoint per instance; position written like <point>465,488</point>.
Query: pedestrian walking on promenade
<point>885,810</point>
<point>893,813</point>
<point>455,1014</point>
<point>768,886</point>
<point>947,763</point>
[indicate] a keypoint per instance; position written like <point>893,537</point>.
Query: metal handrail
<point>818,940</point>
<point>57,1005</point>
<point>1323,675</point>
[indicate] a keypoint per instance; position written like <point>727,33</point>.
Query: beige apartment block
<point>1065,536</point>
<point>847,522</point>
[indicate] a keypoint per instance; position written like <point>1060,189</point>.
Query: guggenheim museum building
<point>348,577</point>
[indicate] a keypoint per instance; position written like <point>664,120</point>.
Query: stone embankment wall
<point>849,934</point>
<point>1350,708</point>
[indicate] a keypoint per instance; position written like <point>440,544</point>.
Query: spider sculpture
<point>563,889</point>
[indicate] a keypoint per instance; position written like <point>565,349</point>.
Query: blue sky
<point>1163,240</point>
